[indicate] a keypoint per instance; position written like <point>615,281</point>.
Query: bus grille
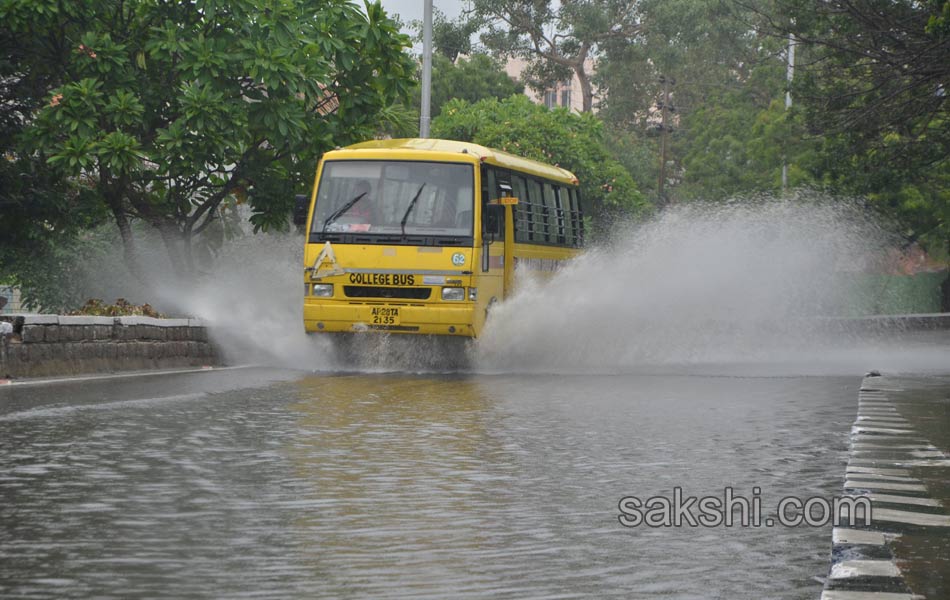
<point>394,327</point>
<point>367,291</point>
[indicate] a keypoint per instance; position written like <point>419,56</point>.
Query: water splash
<point>252,302</point>
<point>704,284</point>
<point>735,283</point>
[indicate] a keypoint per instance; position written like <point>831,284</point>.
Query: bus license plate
<point>385,315</point>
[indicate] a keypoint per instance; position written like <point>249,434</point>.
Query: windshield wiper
<point>340,211</point>
<point>412,204</point>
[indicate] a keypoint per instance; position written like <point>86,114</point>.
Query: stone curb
<point>30,319</point>
<point>863,565</point>
<point>881,323</point>
<point>52,345</point>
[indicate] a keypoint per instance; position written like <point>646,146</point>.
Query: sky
<point>409,10</point>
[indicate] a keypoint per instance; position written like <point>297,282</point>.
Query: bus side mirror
<point>301,207</point>
<point>494,220</point>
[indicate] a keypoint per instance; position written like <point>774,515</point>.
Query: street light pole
<point>426,70</point>
<point>789,73</point>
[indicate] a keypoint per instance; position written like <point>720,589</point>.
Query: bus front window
<point>373,197</point>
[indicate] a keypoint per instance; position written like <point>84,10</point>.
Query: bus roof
<point>487,155</point>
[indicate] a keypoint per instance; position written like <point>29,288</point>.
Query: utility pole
<point>426,70</point>
<point>665,109</point>
<point>789,73</point>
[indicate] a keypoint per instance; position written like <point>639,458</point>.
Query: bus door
<point>498,239</point>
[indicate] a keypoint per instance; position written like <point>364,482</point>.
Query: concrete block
<point>40,352</point>
<point>136,320</point>
<point>40,319</point>
<point>52,333</point>
<point>57,353</point>
<point>85,320</point>
<point>33,334</point>
<point>172,322</point>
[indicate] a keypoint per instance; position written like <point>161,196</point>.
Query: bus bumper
<point>423,320</point>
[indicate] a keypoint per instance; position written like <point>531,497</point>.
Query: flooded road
<point>276,484</point>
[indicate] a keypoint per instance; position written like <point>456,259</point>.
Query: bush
<point>559,137</point>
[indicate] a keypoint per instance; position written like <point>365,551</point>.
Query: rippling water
<point>387,486</point>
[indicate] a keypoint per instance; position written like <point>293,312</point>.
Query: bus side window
<point>494,183</point>
<point>536,211</point>
<point>576,219</point>
<point>502,183</point>
<point>561,223</point>
<point>554,219</point>
<point>494,225</point>
<point>488,184</point>
<point>523,224</point>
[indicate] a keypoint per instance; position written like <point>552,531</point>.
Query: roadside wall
<point>875,294</point>
<point>51,345</point>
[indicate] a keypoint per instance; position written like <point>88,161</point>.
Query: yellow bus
<point>422,236</point>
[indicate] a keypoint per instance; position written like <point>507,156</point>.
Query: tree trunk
<point>587,89</point>
<point>130,251</point>
<point>171,237</point>
<point>128,243</point>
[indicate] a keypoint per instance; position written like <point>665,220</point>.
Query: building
<point>10,301</point>
<point>565,94</point>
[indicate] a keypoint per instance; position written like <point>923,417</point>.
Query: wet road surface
<point>274,484</point>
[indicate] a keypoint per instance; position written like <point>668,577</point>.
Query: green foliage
<point>50,271</point>
<point>42,220</point>
<point>472,79</point>
<point>450,37</point>
<point>727,131</point>
<point>736,146</point>
<point>873,88</point>
<point>168,111</point>
<point>559,137</point>
<point>705,46</point>
<point>638,154</point>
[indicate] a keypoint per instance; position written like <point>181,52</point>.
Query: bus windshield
<point>411,198</point>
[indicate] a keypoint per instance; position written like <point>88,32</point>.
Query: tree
<point>166,111</point>
<point>720,84</point>
<point>559,39</point>
<point>559,137</point>
<point>450,38</point>
<point>706,46</point>
<point>42,216</point>
<point>472,79</point>
<point>875,68</point>
<point>873,81</point>
<point>475,78</point>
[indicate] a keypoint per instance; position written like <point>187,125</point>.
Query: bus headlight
<point>323,290</point>
<point>453,293</point>
<point>473,294</point>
